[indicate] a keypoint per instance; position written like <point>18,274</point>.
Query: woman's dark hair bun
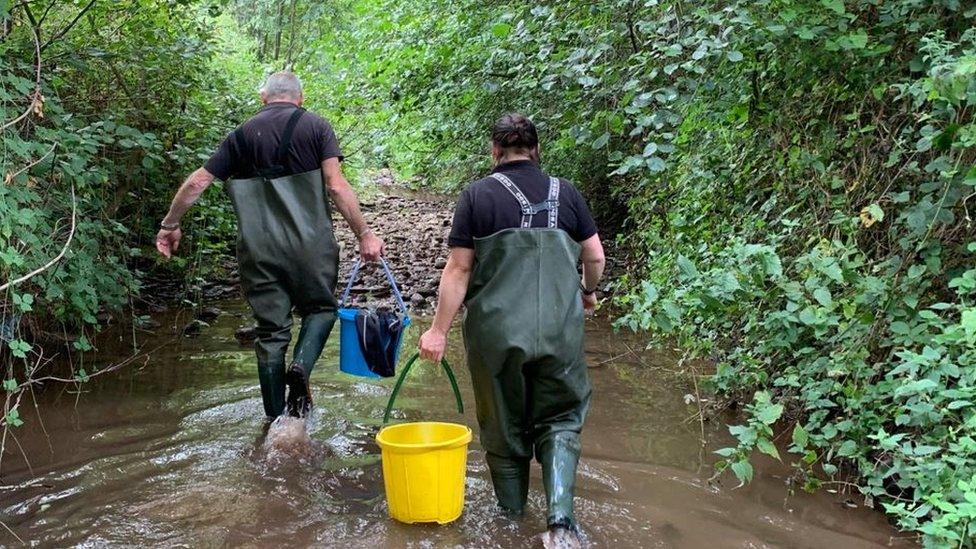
<point>515,131</point>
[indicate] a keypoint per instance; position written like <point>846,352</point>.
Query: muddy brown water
<point>168,452</point>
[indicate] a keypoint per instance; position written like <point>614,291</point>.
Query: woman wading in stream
<point>516,240</point>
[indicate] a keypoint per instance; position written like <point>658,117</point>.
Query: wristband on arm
<point>585,291</point>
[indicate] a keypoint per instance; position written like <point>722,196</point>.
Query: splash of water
<point>287,440</point>
<point>560,538</point>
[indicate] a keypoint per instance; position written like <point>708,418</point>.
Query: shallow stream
<point>167,451</point>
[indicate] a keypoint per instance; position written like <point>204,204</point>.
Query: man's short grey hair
<point>282,84</point>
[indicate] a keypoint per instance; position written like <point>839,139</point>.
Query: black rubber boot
<point>559,455</point>
<point>510,478</point>
<point>299,402</point>
<point>272,378</point>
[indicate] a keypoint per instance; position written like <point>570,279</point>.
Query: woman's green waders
<point>289,259</point>
<point>524,338</point>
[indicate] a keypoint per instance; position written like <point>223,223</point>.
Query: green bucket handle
<point>403,375</point>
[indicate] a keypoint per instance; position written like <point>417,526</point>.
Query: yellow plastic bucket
<point>424,468</point>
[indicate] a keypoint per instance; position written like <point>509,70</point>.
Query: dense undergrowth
<point>792,183</point>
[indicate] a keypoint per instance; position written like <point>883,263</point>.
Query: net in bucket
<point>369,343</point>
<point>424,463</point>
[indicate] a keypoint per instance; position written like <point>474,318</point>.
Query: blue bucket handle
<point>389,276</point>
<point>403,375</point>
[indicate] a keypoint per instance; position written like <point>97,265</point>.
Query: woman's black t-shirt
<point>486,206</point>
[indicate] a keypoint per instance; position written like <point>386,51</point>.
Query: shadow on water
<point>173,453</point>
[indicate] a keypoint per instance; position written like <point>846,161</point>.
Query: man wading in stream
<point>515,243</point>
<point>289,258</point>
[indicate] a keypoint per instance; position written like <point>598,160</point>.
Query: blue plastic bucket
<point>351,359</point>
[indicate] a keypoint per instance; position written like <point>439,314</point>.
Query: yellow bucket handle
<point>403,375</point>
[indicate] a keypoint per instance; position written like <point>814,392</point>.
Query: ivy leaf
<point>656,164</point>
<point>847,449</point>
<point>83,344</point>
<point>24,302</point>
<point>807,316</point>
<point>13,418</point>
<point>19,348</point>
<point>10,385</point>
<point>734,56</point>
<point>857,40</point>
<point>770,414</point>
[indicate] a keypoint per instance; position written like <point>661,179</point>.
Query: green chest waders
<point>289,260</point>
<point>524,338</point>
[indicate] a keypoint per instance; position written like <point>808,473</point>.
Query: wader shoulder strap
<point>285,144</point>
<point>281,157</point>
<point>527,212</point>
<point>553,202</point>
<point>528,209</point>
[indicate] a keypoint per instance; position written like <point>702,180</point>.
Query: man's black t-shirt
<point>313,141</point>
<point>487,207</point>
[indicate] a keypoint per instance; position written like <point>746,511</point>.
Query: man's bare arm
<point>343,196</point>
<point>345,200</point>
<point>187,195</point>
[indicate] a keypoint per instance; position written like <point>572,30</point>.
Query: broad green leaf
<point>837,6</point>
<point>767,447</point>
<point>501,30</point>
<point>601,141</point>
<point>687,267</point>
<point>968,322</point>
<point>800,436</point>
<point>858,39</point>
<point>847,449</point>
<point>743,471</point>
<point>770,413</point>
<point>823,297</point>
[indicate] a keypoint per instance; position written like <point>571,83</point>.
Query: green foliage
<point>793,181</point>
<point>125,98</point>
